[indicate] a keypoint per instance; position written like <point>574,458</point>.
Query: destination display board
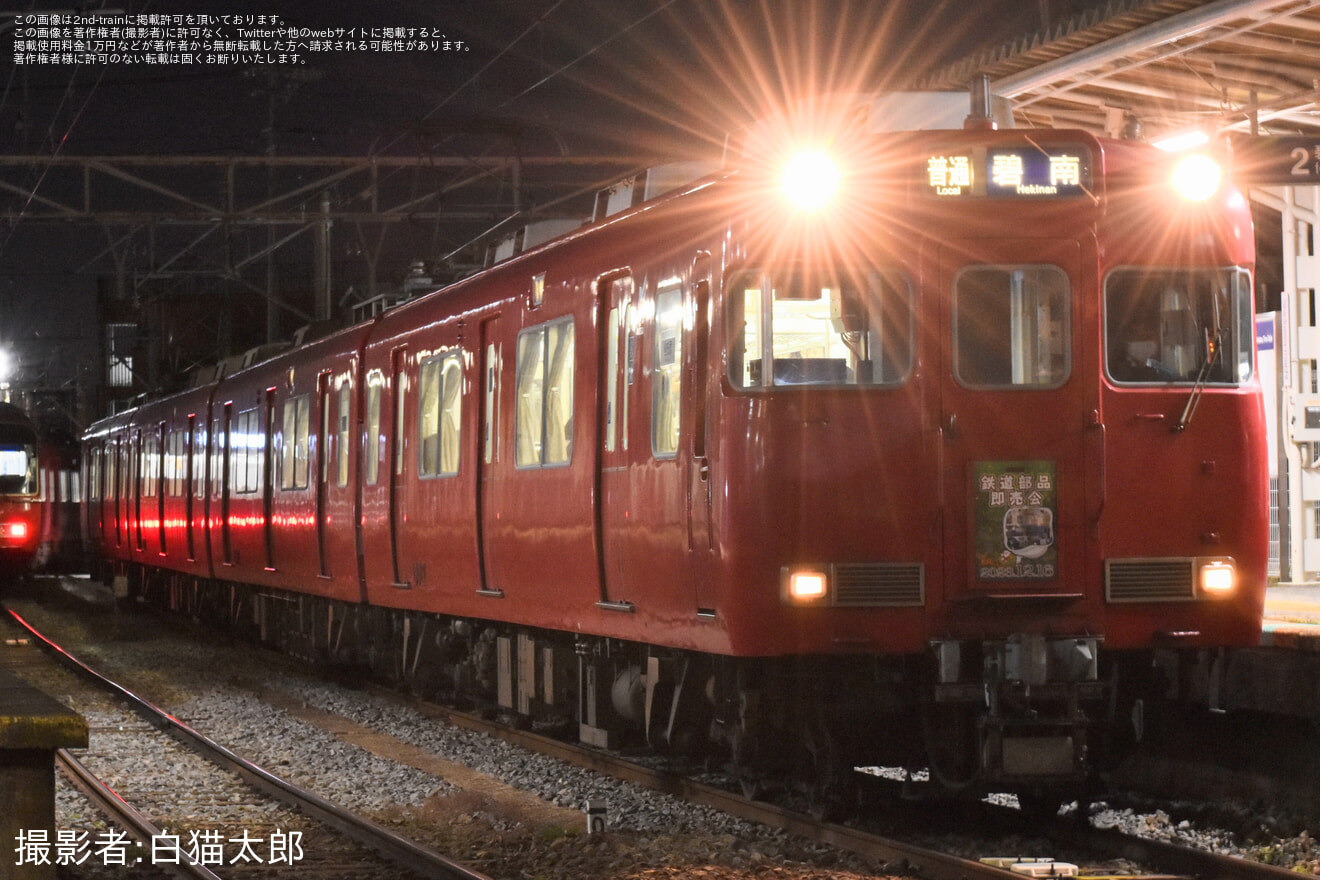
<point>1027,171</point>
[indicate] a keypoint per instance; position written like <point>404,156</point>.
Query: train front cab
<point>1016,511</point>
<point>21,493</point>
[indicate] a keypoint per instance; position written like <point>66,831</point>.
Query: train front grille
<point>879,584</point>
<point>1150,580</point>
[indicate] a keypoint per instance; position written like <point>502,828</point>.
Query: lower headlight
<point>804,586</point>
<point>1217,577</point>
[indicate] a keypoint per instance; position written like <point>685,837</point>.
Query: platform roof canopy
<point>1171,66</point>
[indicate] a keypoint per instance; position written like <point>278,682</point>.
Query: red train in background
<point>38,497</point>
<point>950,468</point>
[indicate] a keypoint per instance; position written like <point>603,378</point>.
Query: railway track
<point>898,856</point>
<point>1165,858</point>
<point>259,839</point>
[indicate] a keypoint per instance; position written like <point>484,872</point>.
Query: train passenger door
<point>695,394</point>
<point>491,355</point>
<point>224,439</point>
<point>192,478</point>
<point>322,469</point>
<point>398,455</point>
<point>1013,398</point>
<point>268,478</point>
<point>618,370</point>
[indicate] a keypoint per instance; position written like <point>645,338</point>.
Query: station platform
<point>33,726</point>
<point>1292,617</point>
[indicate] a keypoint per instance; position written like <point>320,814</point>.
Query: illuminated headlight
<point>1197,177</point>
<point>1217,577</point>
<point>810,180</point>
<point>805,586</point>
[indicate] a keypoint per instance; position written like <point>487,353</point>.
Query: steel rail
<point>142,829</point>
<point>403,852</point>
<point>1170,858</point>
<point>896,855</point>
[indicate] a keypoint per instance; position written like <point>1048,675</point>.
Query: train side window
<point>491,416</point>
<point>440,401</point>
<point>611,378</point>
<point>428,418</point>
<point>1011,326</point>
<point>666,380</point>
<point>168,469</point>
<point>544,392</point>
<point>219,451</point>
<point>109,491</point>
<point>176,463</point>
<point>341,446</point>
<point>831,327</point>
<point>620,349</point>
<point>1179,325</point>
<point>373,441</point>
<point>451,413</point>
<point>236,444</point>
<point>198,452</point>
<point>294,449</point>
<point>245,452</point>
<point>149,466</point>
<point>94,475</point>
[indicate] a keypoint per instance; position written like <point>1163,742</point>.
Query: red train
<point>38,504</point>
<point>949,470</point>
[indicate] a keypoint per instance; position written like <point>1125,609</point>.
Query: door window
<point>1010,326</point>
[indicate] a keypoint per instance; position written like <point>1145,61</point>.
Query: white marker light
<point>810,180</point>
<point>1197,177</point>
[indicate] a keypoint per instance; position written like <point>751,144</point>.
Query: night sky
<point>549,77</point>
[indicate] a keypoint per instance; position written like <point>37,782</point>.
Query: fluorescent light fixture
<point>1183,140</point>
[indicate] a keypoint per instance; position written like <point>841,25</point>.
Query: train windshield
<point>826,327</point>
<point>18,460</point>
<point>1182,326</point>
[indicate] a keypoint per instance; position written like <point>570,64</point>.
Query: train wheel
<point>952,749</point>
<point>832,789</point>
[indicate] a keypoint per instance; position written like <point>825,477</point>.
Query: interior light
<point>1197,177</point>
<point>1183,140</point>
<point>807,585</point>
<point>1218,578</point>
<point>810,180</point>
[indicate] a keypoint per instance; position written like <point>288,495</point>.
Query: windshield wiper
<point>1211,355</point>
